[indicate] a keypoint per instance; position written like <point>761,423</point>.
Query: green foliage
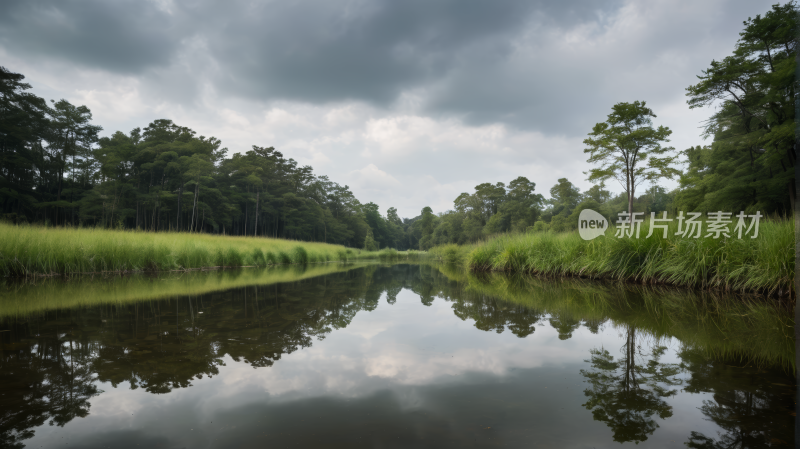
<point>627,148</point>
<point>540,226</point>
<point>257,257</point>
<point>491,209</point>
<point>300,255</point>
<point>284,258</point>
<point>451,253</point>
<point>369,242</point>
<point>750,163</point>
<point>388,254</point>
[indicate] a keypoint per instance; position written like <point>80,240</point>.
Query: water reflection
<point>55,364</point>
<point>627,392</point>
<point>744,404</point>
<point>50,381</point>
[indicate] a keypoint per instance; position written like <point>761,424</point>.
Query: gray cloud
<point>121,37</point>
<point>320,51</point>
<point>439,95</point>
<point>311,51</point>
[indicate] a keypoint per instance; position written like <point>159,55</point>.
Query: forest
<point>56,170</point>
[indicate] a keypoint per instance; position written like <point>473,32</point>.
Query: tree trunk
<point>178,220</point>
<point>629,190</point>
<point>194,207</point>
<point>255,228</point>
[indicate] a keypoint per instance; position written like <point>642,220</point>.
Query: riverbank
<point>764,264</point>
<point>36,251</point>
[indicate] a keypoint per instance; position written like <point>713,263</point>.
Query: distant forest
<point>55,169</point>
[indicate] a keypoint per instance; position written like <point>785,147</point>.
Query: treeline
<point>749,166</point>
<point>55,169</point>
<point>497,208</point>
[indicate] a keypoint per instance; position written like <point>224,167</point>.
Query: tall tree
<point>627,148</point>
<point>749,164</point>
<point>23,126</point>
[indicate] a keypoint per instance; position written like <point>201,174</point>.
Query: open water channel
<point>387,356</point>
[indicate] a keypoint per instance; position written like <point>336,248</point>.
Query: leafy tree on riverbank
<point>749,165</point>
<point>628,149</point>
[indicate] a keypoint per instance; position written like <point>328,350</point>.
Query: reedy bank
<point>764,264</point>
<point>34,250</point>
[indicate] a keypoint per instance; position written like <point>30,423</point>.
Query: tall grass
<point>32,250</point>
<point>764,264</point>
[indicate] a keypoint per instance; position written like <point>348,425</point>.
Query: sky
<point>410,103</point>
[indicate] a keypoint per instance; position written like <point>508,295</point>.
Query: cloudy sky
<point>408,102</point>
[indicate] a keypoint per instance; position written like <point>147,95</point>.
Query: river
<point>387,356</point>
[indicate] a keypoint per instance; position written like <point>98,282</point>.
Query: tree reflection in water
<point>49,380</point>
<point>50,362</point>
<point>745,403</point>
<point>626,393</point>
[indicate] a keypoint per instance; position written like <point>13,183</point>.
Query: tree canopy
<point>628,149</point>
<point>749,164</point>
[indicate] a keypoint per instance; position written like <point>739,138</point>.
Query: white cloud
<point>373,178</point>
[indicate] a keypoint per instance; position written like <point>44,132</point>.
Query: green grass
<point>764,264</point>
<point>33,250</point>
<point>725,326</point>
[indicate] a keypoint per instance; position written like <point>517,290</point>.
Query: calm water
<point>375,356</point>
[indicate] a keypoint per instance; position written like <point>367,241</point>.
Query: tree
<point>522,206</point>
<point>628,148</point>
<point>71,136</point>
<point>565,197</point>
<point>749,164</point>
<point>369,242</point>
<point>24,125</point>
<point>426,226</point>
